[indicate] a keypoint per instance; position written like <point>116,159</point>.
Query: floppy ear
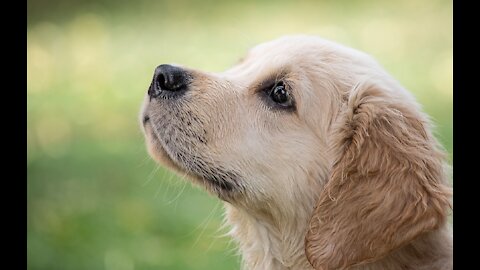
<point>386,185</point>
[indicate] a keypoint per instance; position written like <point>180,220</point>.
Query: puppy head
<point>303,123</point>
<point>255,133</point>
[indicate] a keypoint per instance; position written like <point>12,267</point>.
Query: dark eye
<point>280,95</point>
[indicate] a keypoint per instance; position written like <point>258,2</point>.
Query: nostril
<point>160,82</point>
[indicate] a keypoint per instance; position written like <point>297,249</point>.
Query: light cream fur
<point>351,179</point>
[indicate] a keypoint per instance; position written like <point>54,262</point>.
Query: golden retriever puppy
<point>323,160</point>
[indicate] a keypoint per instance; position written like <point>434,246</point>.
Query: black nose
<point>168,78</point>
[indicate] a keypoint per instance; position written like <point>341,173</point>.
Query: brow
<point>269,80</point>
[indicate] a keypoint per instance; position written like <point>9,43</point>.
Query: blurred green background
<point>95,199</point>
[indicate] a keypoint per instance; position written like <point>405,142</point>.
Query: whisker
<point>162,181</point>
<point>143,162</point>
<point>181,191</point>
<point>166,190</point>
<point>207,220</point>
<point>151,175</point>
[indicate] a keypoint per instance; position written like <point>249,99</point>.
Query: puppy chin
<point>223,189</point>
<point>157,152</point>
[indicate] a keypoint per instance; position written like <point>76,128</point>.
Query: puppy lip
<point>212,181</point>
<point>145,119</point>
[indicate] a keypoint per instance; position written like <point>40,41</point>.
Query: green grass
<point>95,199</point>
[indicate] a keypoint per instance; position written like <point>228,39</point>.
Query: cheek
<point>281,166</point>
<point>283,153</point>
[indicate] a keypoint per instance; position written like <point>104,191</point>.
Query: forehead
<point>284,54</point>
<point>291,46</point>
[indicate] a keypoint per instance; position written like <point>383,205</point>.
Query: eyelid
<point>265,88</point>
<point>271,82</point>
<point>266,85</point>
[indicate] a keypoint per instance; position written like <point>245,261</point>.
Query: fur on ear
<point>386,186</point>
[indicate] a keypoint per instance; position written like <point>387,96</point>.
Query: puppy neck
<point>265,244</point>
<point>270,240</point>
<point>268,246</point>
<point>271,235</point>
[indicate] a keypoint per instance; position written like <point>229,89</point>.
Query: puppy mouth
<point>145,119</point>
<point>217,180</point>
